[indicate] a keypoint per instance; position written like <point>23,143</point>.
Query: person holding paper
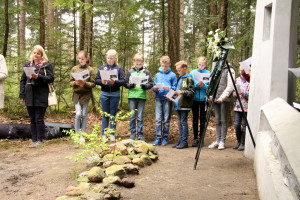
<point>185,88</point>
<point>199,101</point>
<point>3,76</point>
<point>82,90</point>
<point>221,106</point>
<point>137,95</point>
<point>34,91</point>
<point>110,91</point>
<point>243,83</point>
<point>163,107</point>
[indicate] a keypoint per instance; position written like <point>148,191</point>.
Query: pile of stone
<point>110,171</point>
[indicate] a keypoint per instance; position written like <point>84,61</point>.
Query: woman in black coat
<point>34,91</point>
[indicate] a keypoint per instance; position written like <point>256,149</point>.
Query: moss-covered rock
<point>92,196</point>
<point>108,157</point>
<point>141,148</point>
<point>116,170</point>
<point>82,179</point>
<point>154,157</point>
<point>112,180</point>
<point>146,160</point>
<point>152,149</point>
<point>65,197</point>
<point>138,161</point>
<point>122,160</point>
<point>131,169</point>
<point>96,175</point>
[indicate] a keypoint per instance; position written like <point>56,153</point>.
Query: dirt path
<point>44,173</point>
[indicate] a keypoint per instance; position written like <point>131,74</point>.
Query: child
<point>243,83</point>
<point>199,102</point>
<point>110,91</point>
<point>137,95</point>
<point>163,107</point>
<point>221,106</point>
<point>185,88</point>
<point>82,91</point>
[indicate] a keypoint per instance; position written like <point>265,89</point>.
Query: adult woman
<point>3,75</point>
<point>34,91</point>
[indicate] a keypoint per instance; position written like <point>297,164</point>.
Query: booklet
<point>296,105</point>
<point>81,75</point>
<point>29,71</point>
<point>296,71</point>
<point>174,97</point>
<point>160,85</point>
<point>107,75</point>
<point>140,80</point>
<point>204,77</point>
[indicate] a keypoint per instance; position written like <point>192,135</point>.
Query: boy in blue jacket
<point>185,88</point>
<point>163,107</point>
<point>199,102</point>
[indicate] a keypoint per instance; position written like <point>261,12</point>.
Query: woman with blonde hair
<point>34,92</point>
<point>110,91</point>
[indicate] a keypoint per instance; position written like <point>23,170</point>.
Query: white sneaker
<point>112,138</point>
<point>221,146</point>
<point>213,145</point>
<point>104,138</point>
<point>81,140</point>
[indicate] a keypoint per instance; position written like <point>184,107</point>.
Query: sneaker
<point>221,146</point>
<point>176,144</point>
<point>195,143</point>
<point>241,147</point>
<point>104,138</point>
<point>182,145</point>
<point>132,136</point>
<point>237,146</point>
<point>213,145</point>
<point>157,142</point>
<point>164,142</point>
<point>112,138</point>
<point>81,140</point>
<point>32,145</point>
<point>141,137</point>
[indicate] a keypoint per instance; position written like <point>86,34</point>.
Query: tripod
<point>210,109</point>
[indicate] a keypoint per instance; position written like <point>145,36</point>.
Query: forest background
<point>177,28</point>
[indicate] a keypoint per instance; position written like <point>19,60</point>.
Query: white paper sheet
<point>174,97</point>
<point>296,105</point>
<point>29,71</point>
<point>296,71</point>
<point>81,75</point>
<point>140,80</point>
<point>107,75</point>
<point>159,85</point>
<point>246,64</point>
<point>204,77</point>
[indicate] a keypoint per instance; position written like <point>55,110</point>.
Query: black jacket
<point>36,91</point>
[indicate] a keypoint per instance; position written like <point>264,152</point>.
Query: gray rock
<point>112,180</point>
<point>96,174</point>
<point>127,182</point>
<point>146,160</point>
<point>79,190</point>
<point>110,191</point>
<point>129,143</point>
<point>94,161</point>
<point>122,160</point>
<point>131,169</point>
<point>108,164</point>
<point>138,161</point>
<point>152,149</point>
<point>92,196</point>
<point>116,170</point>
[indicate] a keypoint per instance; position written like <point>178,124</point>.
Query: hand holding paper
<point>29,71</point>
<point>81,75</point>
<point>173,96</point>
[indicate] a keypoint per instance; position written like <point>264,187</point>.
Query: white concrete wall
<point>278,122</point>
<point>270,59</point>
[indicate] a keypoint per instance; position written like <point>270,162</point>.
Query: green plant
<point>94,144</point>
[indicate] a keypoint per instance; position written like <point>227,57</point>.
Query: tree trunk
<point>6,28</point>
<point>50,28</point>
<point>213,15</point>
<point>163,27</point>
<point>207,26</point>
<point>74,32</point>
<point>82,28</point>
<point>181,30</point>
<point>42,24</point>
<point>223,14</point>
<point>22,47</point>
<point>248,27</point>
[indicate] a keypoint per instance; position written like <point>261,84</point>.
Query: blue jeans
<point>139,104</point>
<point>182,116</point>
<point>240,134</point>
<point>81,116</point>
<point>163,109</point>
<point>110,106</point>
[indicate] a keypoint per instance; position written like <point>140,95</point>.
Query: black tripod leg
<point>240,102</point>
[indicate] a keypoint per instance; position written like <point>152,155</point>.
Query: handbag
<point>52,99</point>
